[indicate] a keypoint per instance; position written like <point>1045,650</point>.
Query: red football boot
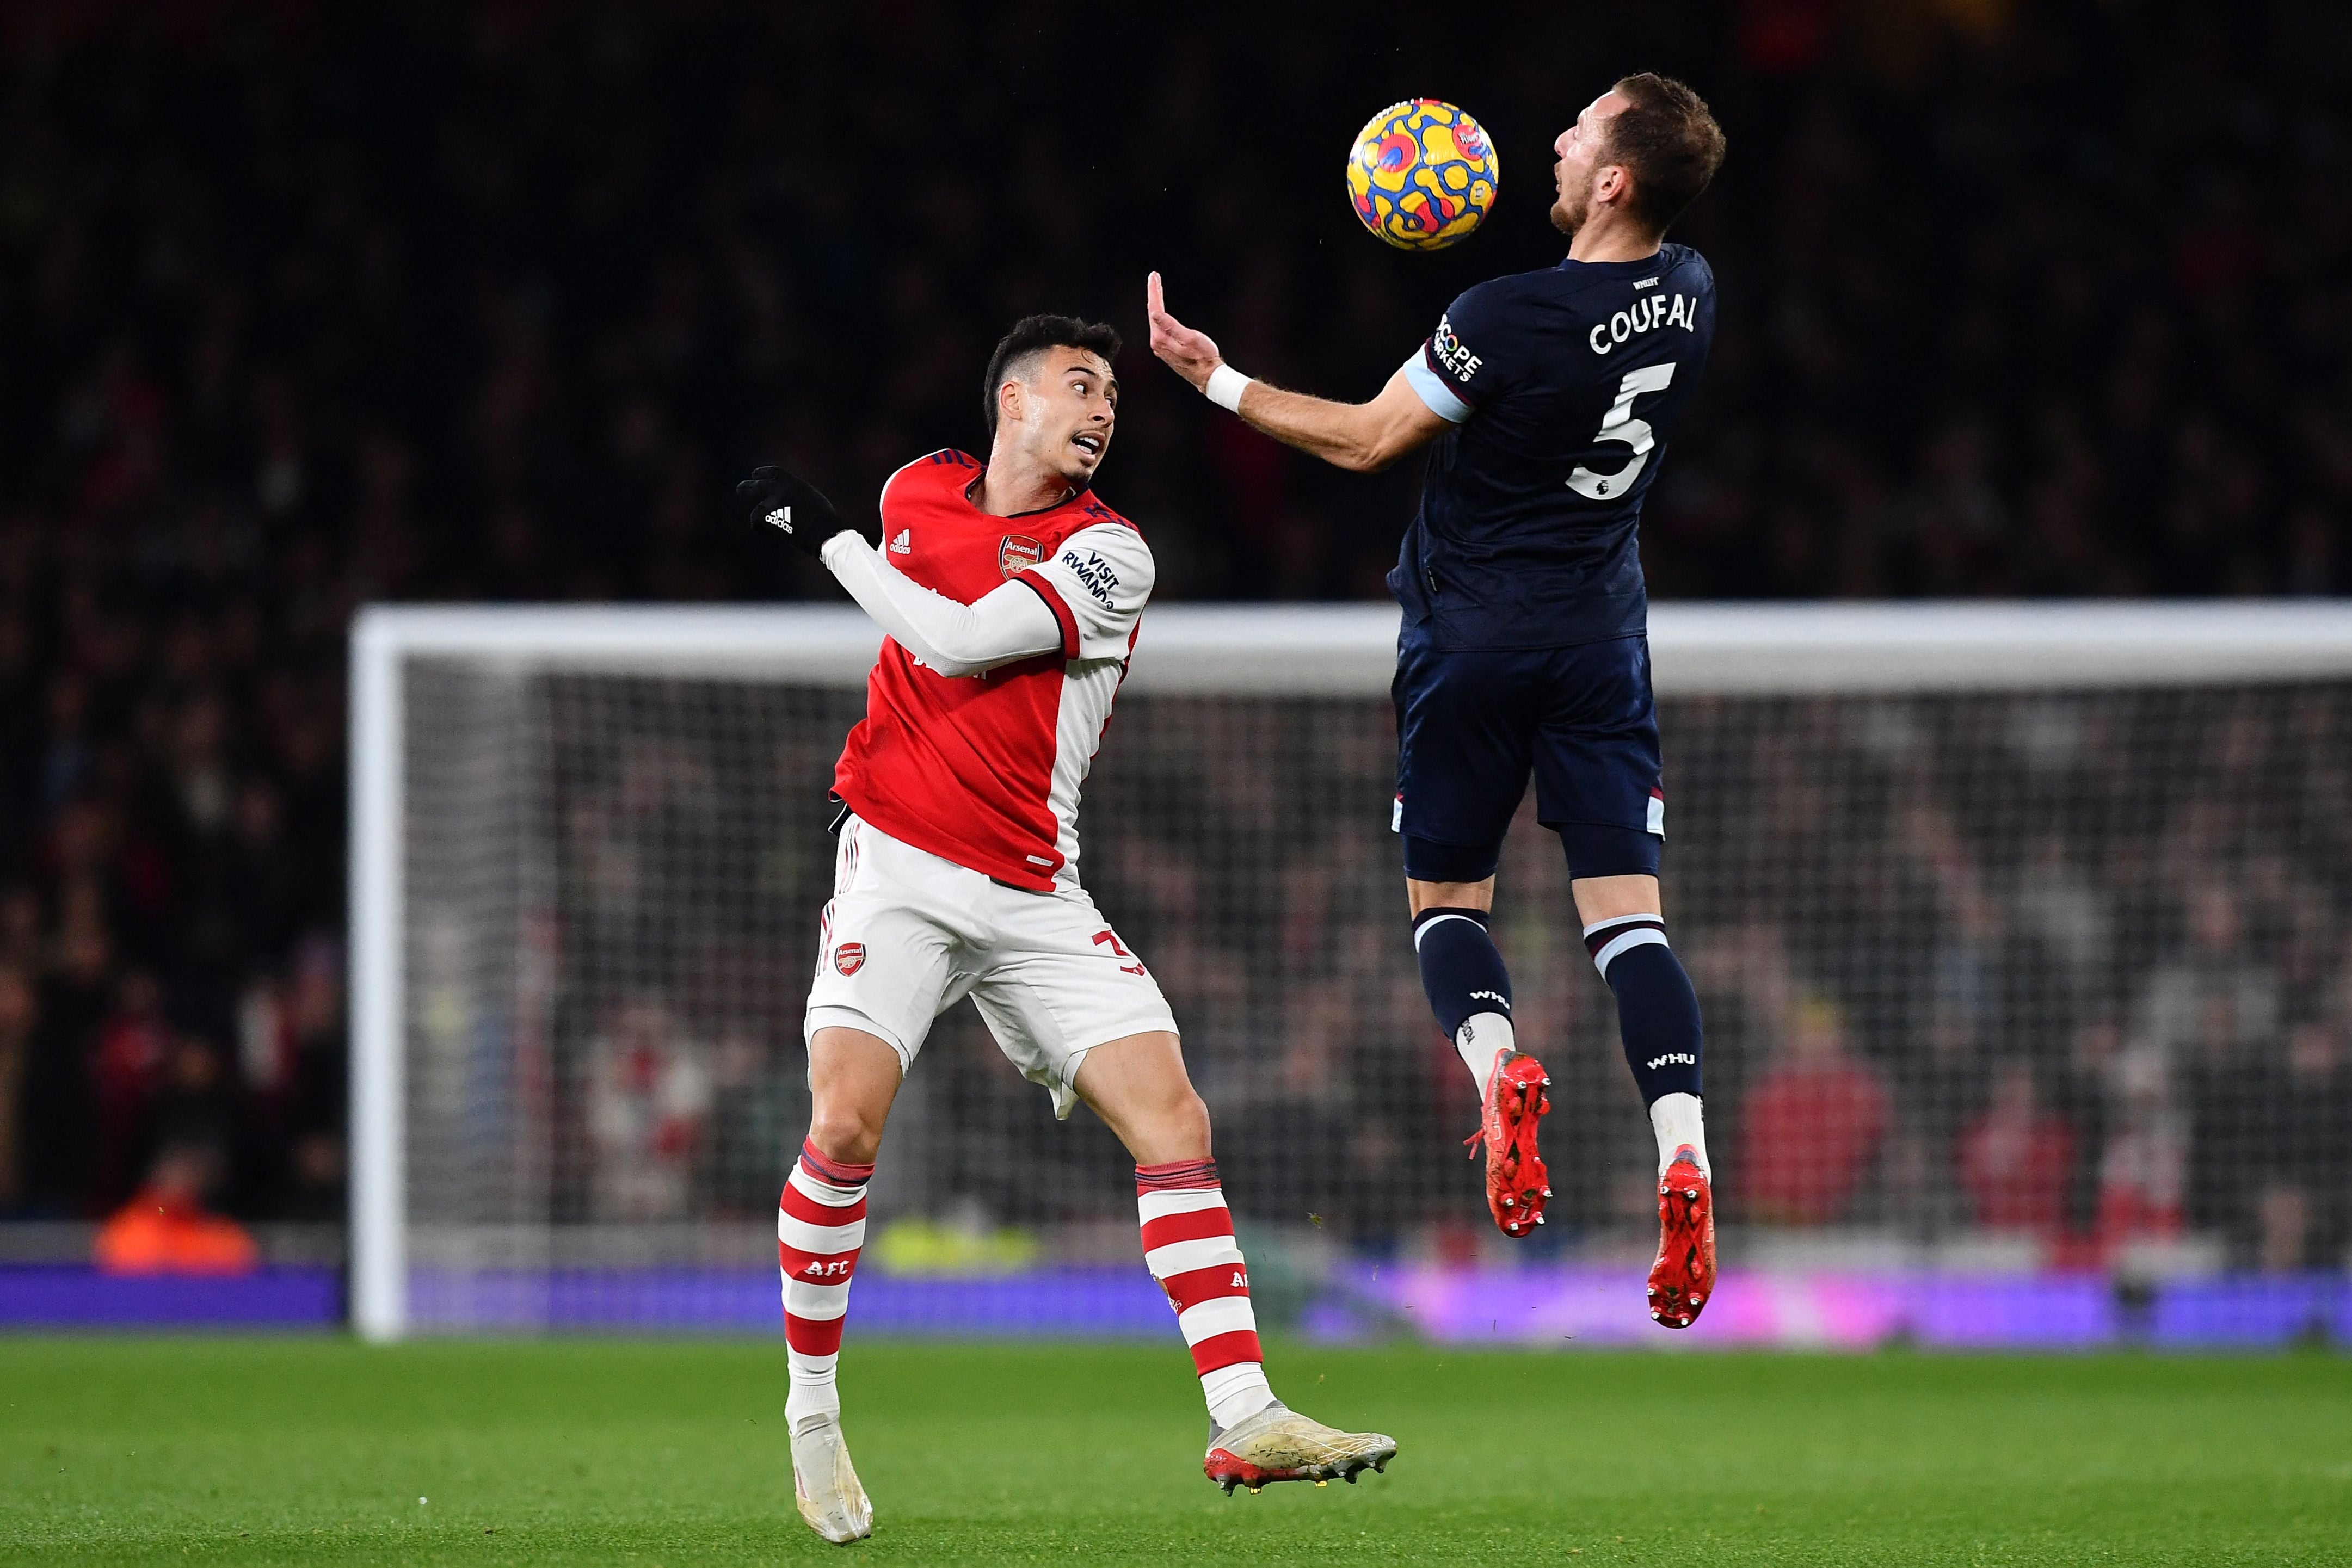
<point>1517,1183</point>
<point>1683,1276</point>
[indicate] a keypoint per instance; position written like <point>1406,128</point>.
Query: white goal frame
<point>1697,649</point>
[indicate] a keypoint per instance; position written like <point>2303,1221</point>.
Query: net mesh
<point>2053,977</point>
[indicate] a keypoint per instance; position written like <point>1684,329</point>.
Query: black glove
<point>782,500</point>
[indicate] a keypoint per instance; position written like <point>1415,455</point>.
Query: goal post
<point>586,862</point>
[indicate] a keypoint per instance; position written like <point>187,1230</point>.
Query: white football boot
<point>825,1483</point>
<point>1278,1444</point>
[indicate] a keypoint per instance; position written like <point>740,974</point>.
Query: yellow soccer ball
<point>1423,174</point>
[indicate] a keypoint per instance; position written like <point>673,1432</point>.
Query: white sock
<point>1236,1393</point>
<point>810,1402</point>
<point>1675,1119</point>
<point>1479,1038</point>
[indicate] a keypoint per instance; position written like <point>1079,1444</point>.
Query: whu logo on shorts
<point>1685,1057</point>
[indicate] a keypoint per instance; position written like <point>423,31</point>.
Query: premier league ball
<point>1423,174</point>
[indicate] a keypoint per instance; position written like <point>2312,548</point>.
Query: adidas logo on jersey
<point>903,543</point>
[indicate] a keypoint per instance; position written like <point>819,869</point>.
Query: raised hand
<point>781,499</point>
<point>1191,354</point>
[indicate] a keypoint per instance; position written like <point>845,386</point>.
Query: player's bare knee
<point>1187,1121</point>
<point>1174,1125</point>
<point>1170,1124</point>
<point>1420,895</point>
<point>850,1134</point>
<point>1614,897</point>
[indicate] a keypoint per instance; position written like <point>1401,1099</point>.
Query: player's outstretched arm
<point>1003,626</point>
<point>1010,624</point>
<point>1363,436</point>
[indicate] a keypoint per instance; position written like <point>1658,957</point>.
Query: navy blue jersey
<point>1563,386</point>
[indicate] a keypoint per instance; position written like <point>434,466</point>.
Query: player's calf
<point>1658,1019</point>
<point>1657,1010</point>
<point>820,1231</point>
<point>1470,993</point>
<point>1189,1246</point>
<point>1469,989</point>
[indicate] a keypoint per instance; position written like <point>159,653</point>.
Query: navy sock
<point>1460,968</point>
<point>1658,1011</point>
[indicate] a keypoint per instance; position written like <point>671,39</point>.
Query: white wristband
<point>1226,387</point>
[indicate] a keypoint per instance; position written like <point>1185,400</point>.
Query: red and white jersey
<point>984,769</point>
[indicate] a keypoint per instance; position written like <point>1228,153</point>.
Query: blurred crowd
<point>303,305</point>
<point>2020,981</point>
<point>2068,978</point>
<point>2070,967</point>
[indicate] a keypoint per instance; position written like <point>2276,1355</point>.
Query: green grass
<point>231,1451</point>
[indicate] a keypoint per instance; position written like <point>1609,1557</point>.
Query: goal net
<point>2021,934</point>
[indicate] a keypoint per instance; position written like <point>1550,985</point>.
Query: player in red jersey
<point>1012,597</point>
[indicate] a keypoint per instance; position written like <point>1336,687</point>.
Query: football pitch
<point>242,1451</point>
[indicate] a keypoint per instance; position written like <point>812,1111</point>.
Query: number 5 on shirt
<point>1618,424</point>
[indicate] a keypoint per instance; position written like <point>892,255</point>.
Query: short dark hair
<point>1032,336</point>
<point>1668,137</point>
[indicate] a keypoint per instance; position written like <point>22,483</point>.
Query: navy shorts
<point>1472,723</point>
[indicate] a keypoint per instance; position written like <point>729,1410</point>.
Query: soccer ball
<point>1423,174</point>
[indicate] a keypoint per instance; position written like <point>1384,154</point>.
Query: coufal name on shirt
<point>1454,356</point>
<point>1095,572</point>
<point>1649,313</point>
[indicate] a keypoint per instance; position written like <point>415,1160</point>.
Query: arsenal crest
<point>849,957</point>
<point>1017,554</point>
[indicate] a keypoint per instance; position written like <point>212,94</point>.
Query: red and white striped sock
<point>820,1227</point>
<point>1188,1245</point>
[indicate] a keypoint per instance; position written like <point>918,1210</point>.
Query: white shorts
<point>909,935</point>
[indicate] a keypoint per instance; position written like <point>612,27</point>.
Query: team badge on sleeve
<point>849,957</point>
<point>1017,554</point>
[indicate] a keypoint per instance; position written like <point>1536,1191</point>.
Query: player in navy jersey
<point>1548,396</point>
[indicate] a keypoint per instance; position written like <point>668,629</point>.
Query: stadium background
<point>310,307</point>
